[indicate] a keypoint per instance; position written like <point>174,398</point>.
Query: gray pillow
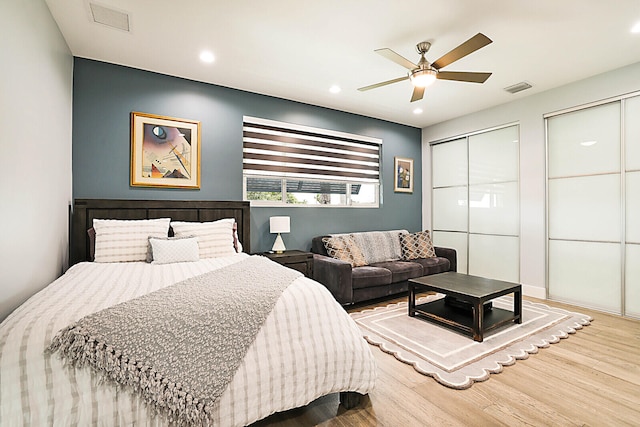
<point>168,250</point>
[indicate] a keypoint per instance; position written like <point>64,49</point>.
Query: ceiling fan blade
<point>463,76</point>
<point>388,82</point>
<point>474,43</point>
<point>398,59</point>
<point>418,93</point>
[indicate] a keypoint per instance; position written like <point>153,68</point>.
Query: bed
<point>306,347</point>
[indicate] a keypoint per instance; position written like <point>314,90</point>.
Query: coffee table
<point>466,306</point>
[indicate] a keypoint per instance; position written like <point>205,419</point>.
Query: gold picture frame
<point>403,175</point>
<point>165,151</point>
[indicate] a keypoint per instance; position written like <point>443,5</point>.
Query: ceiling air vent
<point>518,87</point>
<point>109,17</point>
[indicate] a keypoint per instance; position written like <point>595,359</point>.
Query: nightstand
<point>298,260</point>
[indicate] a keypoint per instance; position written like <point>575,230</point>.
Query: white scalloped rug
<point>455,360</point>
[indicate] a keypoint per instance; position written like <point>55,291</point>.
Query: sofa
<point>362,266</point>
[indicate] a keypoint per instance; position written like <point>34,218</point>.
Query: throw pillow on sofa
<point>378,246</point>
<point>417,245</point>
<point>345,249</point>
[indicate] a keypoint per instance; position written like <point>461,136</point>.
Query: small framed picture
<point>403,175</point>
<point>165,151</point>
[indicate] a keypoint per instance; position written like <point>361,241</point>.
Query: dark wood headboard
<point>85,210</point>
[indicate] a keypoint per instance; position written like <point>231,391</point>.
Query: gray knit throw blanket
<point>180,346</point>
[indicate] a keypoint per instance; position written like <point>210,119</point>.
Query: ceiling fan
<point>424,73</point>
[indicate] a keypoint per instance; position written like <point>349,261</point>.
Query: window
<point>285,164</point>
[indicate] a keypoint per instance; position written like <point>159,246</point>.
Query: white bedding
<point>307,348</point>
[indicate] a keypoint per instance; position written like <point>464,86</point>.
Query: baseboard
<point>534,291</point>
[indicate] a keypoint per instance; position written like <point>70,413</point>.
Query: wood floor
<point>590,379</point>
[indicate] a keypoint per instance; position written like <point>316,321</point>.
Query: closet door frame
<point>623,172</point>
<point>468,233</point>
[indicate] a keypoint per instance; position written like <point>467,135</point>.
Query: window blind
<point>277,149</point>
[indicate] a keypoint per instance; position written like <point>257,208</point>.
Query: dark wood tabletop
<point>457,283</point>
<point>467,305</point>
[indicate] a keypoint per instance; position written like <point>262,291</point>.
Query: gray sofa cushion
<point>433,265</point>
<point>401,270</point>
<point>368,276</point>
<point>351,285</point>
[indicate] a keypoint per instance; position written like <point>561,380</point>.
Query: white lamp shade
<point>279,224</point>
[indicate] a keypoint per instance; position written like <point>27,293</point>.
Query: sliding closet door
<point>494,243</point>
<point>632,205</point>
<point>450,172</point>
<point>475,202</point>
<point>584,207</point>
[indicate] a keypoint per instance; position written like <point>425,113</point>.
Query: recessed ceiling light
<point>335,89</point>
<point>417,111</point>
<point>588,143</point>
<point>636,28</point>
<point>206,56</point>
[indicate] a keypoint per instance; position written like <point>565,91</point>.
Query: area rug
<point>454,359</point>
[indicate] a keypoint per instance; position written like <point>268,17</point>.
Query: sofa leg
<point>350,399</point>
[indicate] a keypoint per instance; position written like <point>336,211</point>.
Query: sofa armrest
<point>335,275</point>
<point>450,254</point>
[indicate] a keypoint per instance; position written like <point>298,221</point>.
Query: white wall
<point>528,112</point>
<point>35,118</point>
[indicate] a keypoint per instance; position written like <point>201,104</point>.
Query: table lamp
<point>279,224</point>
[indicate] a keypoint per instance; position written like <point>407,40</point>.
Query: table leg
<point>412,300</point>
<point>478,320</point>
<point>517,305</point>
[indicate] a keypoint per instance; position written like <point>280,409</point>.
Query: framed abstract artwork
<point>165,151</point>
<point>403,175</point>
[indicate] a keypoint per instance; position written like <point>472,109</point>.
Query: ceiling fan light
<point>423,78</point>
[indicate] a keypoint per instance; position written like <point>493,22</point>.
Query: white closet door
<point>495,257</point>
<point>476,201</point>
<point>632,281</point>
<point>584,207</point>
<point>632,205</point>
<point>493,156</point>
<point>585,142</point>
<point>494,209</point>
<point>494,219</point>
<point>632,262</point>
<point>450,211</point>
<point>457,241</point>
<point>585,273</point>
<point>632,134</point>
<point>449,164</point>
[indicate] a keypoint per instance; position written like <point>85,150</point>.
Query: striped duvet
<point>307,348</point>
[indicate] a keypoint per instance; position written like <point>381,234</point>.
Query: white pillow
<point>126,240</point>
<point>215,238</point>
<point>169,250</point>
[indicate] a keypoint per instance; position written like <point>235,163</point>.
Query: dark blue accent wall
<point>104,95</point>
